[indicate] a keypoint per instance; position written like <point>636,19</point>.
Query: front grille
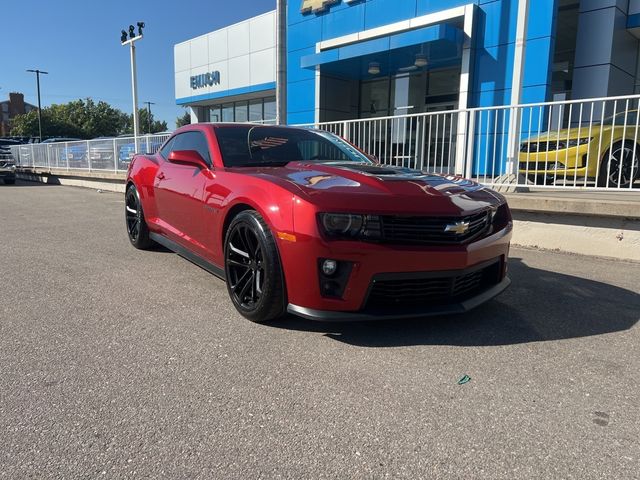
<point>423,290</point>
<point>542,147</point>
<point>534,166</point>
<point>433,230</point>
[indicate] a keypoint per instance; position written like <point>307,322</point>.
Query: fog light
<point>329,267</point>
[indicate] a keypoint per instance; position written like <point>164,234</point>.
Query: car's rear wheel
<point>252,266</point>
<point>136,226</point>
<point>620,166</point>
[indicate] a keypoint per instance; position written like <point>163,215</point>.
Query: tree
<point>183,120</point>
<point>143,123</point>
<point>83,119</point>
<point>53,125</point>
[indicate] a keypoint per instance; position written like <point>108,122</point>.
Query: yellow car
<point>606,152</point>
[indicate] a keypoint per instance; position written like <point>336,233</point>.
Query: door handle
<point>160,176</point>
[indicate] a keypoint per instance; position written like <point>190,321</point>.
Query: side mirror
<point>374,159</point>
<point>188,157</point>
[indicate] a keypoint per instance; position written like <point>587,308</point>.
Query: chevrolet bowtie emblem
<point>316,5</point>
<point>458,228</point>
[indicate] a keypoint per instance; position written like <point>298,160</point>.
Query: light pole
<point>149,114</point>
<point>281,62</point>
<point>38,72</point>
<point>130,40</point>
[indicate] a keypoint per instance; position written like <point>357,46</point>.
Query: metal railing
<point>101,154</point>
<point>578,144</point>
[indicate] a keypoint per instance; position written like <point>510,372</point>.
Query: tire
<point>255,281</point>
<point>608,175</point>
<point>137,229</point>
<point>10,181</point>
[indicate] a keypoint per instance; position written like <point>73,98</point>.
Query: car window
<point>631,118</point>
<point>193,141</point>
<point>166,149</point>
<point>256,145</point>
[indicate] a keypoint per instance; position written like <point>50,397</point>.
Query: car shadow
<point>539,306</point>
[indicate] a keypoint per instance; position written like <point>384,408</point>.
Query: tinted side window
<point>193,141</point>
<point>164,151</point>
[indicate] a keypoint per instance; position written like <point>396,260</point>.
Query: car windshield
<point>250,146</point>
<point>631,118</point>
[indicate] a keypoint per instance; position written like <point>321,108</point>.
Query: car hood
<point>367,188</point>
<point>571,133</point>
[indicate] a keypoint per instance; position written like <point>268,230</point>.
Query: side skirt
<point>189,255</point>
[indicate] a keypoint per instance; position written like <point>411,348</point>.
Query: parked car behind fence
<point>107,153</point>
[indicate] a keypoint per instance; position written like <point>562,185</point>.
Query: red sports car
<point>300,220</point>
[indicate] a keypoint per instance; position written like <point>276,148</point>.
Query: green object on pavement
<point>463,380</point>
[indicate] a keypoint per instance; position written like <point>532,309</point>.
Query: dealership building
<point>350,59</point>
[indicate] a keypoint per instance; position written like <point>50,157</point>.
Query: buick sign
<point>208,79</point>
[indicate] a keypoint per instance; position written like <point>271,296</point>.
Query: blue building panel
<point>492,53</point>
<point>304,34</point>
<point>297,74</point>
<point>384,12</point>
<point>339,22</point>
<point>299,98</point>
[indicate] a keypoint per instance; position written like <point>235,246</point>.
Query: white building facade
<point>229,75</point>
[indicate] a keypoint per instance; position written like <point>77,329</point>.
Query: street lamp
<point>149,113</point>
<point>130,39</point>
<point>38,72</point>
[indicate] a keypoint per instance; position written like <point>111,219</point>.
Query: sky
<point>78,43</point>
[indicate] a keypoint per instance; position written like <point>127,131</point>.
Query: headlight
<point>500,217</point>
<point>348,225</point>
<point>342,224</point>
<point>574,142</point>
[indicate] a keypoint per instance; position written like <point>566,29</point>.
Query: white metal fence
<point>108,154</point>
<point>579,144</point>
<point>593,144</point>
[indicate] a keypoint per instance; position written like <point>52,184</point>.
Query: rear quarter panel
<point>142,173</point>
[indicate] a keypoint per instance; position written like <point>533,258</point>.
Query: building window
<point>242,111</point>
<point>443,86</point>
<point>255,110</point>
<point>215,114</point>
<point>227,112</point>
<point>565,47</point>
<point>258,110</point>
<point>269,109</point>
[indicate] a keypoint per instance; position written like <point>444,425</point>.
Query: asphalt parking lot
<point>116,363</point>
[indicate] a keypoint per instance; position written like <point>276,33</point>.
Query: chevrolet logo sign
<point>316,6</point>
<point>458,228</point>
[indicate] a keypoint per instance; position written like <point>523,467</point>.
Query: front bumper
<point>371,261</point>
<point>432,311</point>
<point>569,162</point>
<point>7,172</point>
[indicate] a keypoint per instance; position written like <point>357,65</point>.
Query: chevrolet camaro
<point>608,152</point>
<point>301,221</point>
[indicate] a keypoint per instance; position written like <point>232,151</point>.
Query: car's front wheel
<point>136,226</point>
<point>620,166</point>
<point>252,266</point>
<point>10,180</point>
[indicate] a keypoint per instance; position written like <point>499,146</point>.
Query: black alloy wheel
<point>252,267</point>
<point>134,217</point>
<point>620,167</point>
